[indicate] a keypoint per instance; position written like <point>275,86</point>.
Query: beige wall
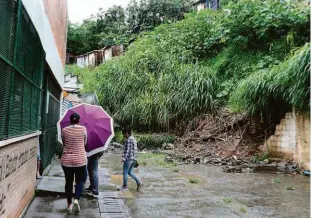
<point>18,163</point>
<point>108,54</point>
<point>56,10</point>
<point>200,6</point>
<point>292,139</point>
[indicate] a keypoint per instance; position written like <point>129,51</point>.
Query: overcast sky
<point>81,9</point>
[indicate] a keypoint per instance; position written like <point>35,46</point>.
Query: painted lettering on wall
<point>23,157</point>
<point>2,201</point>
<point>10,163</point>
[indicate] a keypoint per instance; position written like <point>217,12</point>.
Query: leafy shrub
<point>118,137</point>
<point>151,141</point>
<point>277,90</point>
<point>194,180</point>
<point>153,159</point>
<point>239,55</point>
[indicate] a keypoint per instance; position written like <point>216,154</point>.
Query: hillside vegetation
<point>251,56</point>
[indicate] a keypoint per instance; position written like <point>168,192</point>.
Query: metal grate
<point>15,123</point>
<point>21,71</point>
<point>8,13</point>
<point>22,41</point>
<point>27,110</point>
<point>34,108</point>
<point>49,139</point>
<point>112,206</point>
<point>5,89</point>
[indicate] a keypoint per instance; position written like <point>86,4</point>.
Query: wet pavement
<point>167,193</point>
<point>50,201</point>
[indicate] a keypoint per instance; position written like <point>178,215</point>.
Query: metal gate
<point>51,112</point>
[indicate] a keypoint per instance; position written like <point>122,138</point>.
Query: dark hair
<point>127,130</point>
<point>74,118</point>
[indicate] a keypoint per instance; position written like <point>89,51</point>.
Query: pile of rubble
<point>221,137</point>
<point>229,140</point>
<point>239,165</point>
<point>265,166</point>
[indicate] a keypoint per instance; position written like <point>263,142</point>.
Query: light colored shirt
<point>74,141</point>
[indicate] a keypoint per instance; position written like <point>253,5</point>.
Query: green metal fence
<point>51,112</point>
<point>21,71</point>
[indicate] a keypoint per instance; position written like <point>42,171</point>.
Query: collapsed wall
<point>291,139</point>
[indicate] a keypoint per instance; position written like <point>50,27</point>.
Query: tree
<point>117,25</point>
<point>151,13</point>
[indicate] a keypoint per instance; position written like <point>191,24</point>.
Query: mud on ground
<point>222,136</point>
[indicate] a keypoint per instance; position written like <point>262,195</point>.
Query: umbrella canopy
<point>98,123</point>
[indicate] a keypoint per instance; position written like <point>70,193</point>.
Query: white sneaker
<point>76,206</point>
<point>69,208</point>
<point>124,189</point>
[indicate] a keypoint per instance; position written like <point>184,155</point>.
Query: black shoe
<point>92,194</point>
<point>95,195</point>
<point>139,186</point>
<point>88,189</point>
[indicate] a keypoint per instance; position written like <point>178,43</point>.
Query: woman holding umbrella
<point>74,160</point>
<point>95,126</point>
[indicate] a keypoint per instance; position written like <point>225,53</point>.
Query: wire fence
<point>21,71</point>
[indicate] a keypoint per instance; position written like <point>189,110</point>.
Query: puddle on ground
<point>211,192</point>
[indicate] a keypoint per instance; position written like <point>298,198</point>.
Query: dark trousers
<point>92,168</point>
<point>79,175</point>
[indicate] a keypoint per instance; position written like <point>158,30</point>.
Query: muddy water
<point>170,194</point>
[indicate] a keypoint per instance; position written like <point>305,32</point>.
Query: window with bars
<point>21,71</point>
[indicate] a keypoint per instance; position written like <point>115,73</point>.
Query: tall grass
<point>209,60</point>
<point>272,92</point>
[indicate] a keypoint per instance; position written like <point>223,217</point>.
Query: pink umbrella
<point>98,123</point>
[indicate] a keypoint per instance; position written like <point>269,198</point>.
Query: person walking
<point>92,168</point>
<point>74,160</point>
<point>129,159</point>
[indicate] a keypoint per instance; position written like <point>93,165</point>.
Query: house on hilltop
<point>204,4</point>
<point>97,57</point>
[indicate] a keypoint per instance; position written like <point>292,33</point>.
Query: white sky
<point>79,10</point>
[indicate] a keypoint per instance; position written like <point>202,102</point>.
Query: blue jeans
<point>128,170</point>
<point>92,168</point>
<point>74,173</point>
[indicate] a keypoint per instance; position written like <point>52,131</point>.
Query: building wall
<point>18,163</point>
<point>56,11</point>
<point>201,6</point>
<point>108,54</point>
<point>38,16</point>
<point>86,61</point>
<point>80,61</point>
<point>292,139</point>
<point>91,59</point>
<point>117,50</point>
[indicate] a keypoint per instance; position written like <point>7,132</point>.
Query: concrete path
<point>50,201</point>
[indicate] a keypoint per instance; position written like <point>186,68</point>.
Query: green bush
<point>239,55</point>
<point>277,90</point>
<point>153,141</point>
<point>118,137</point>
